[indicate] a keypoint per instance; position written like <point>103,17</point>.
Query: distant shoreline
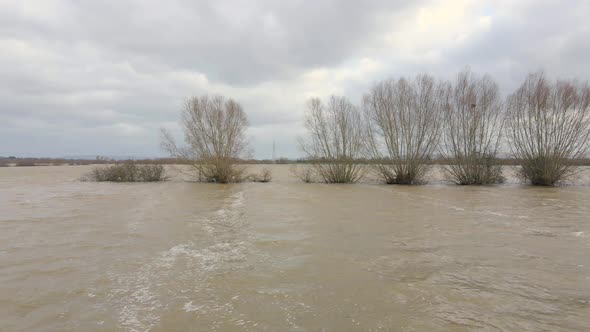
<point>32,161</point>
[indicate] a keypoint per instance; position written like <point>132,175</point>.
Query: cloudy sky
<point>85,77</point>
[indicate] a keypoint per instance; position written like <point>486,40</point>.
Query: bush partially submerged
<point>219,170</point>
<point>264,176</point>
<point>128,173</point>
<point>546,171</point>
<point>152,173</point>
<point>405,172</point>
<point>479,170</point>
<point>305,174</point>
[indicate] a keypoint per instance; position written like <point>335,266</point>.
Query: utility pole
<point>274,151</point>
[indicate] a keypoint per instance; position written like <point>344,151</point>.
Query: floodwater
<point>289,256</point>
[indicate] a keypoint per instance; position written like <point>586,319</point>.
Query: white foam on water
<point>221,212</point>
<point>494,213</point>
<point>541,232</point>
<point>139,305</point>
<point>190,307</point>
<point>209,258</point>
<point>136,296</point>
<point>238,200</point>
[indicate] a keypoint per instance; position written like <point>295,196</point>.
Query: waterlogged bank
<point>288,256</point>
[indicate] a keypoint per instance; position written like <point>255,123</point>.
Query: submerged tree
<point>472,121</point>
<point>215,137</point>
<point>335,140</point>
<point>404,125</point>
<point>548,126</point>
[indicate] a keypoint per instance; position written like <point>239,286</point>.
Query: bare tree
<point>473,120</point>
<point>214,133</point>
<point>548,126</point>
<point>403,125</point>
<point>335,140</point>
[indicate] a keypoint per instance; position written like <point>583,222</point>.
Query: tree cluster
<point>401,125</point>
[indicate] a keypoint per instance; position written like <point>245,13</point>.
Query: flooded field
<point>288,256</point>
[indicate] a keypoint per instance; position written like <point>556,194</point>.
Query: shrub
<point>264,176</point>
<point>545,171</point>
<point>152,172</point>
<point>305,173</point>
<point>219,170</point>
<point>25,163</point>
<point>477,170</point>
<point>128,172</point>
<point>402,171</point>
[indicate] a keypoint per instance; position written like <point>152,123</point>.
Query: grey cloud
<point>231,42</point>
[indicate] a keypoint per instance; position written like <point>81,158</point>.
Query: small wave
<point>190,307</point>
<point>494,213</point>
<point>541,232</point>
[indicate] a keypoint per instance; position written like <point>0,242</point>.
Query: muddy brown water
<point>288,256</point>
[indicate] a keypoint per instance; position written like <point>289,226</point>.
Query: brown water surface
<point>288,256</point>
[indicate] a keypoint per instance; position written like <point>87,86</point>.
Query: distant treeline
<point>22,162</point>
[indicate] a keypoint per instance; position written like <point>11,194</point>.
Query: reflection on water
<point>287,256</point>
